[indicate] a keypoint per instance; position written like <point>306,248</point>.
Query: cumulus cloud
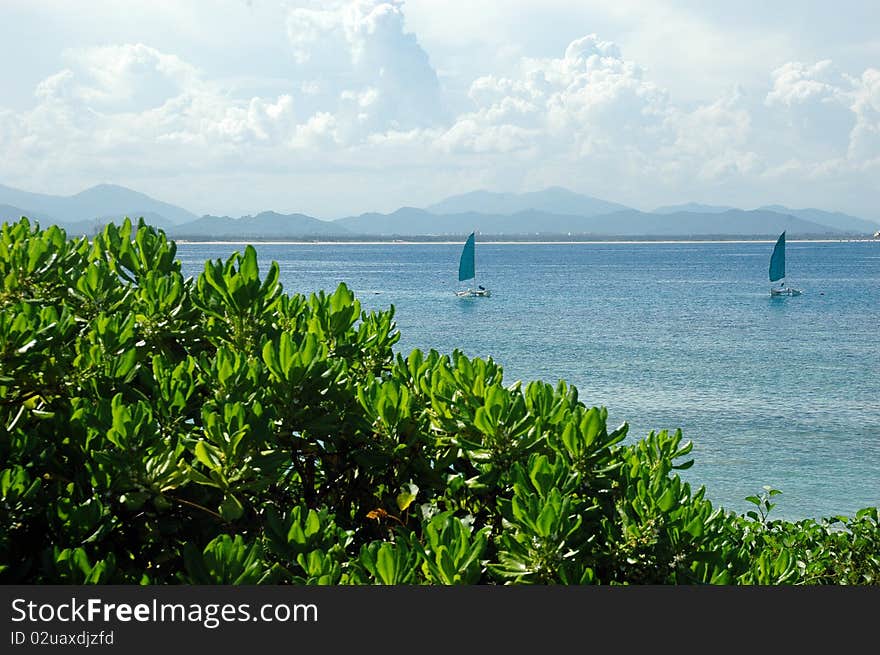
<point>864,141</point>
<point>589,109</point>
<point>133,107</point>
<point>812,105</point>
<point>593,114</point>
<point>366,67</point>
<point>714,141</point>
<point>796,84</point>
<point>129,77</point>
<point>828,119</point>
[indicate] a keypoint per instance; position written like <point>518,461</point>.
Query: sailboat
<point>467,270</point>
<point>777,270</point>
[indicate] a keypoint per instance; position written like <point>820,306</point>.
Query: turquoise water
<point>771,391</point>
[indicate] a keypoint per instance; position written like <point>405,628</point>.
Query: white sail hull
<point>473,293</point>
<point>785,291</point>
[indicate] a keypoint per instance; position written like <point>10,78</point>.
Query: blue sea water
<point>782,392</point>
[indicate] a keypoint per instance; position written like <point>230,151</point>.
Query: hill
<point>98,201</point>
<point>732,222</point>
<point>552,213</point>
<point>693,207</point>
<point>838,220</point>
<point>410,221</point>
<point>553,200</point>
<point>628,223</point>
<point>12,214</point>
<point>266,225</point>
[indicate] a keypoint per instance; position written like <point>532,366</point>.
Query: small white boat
<point>777,270</point>
<point>479,291</point>
<point>467,270</point>
<point>785,291</point>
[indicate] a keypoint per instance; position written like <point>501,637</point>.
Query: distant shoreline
<point>421,242</point>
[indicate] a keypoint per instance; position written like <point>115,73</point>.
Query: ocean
<point>783,392</point>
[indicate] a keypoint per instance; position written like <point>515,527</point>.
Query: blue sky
<point>332,108</point>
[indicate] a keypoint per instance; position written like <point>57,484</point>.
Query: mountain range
<point>553,200</point>
<point>554,212</point>
<point>99,201</point>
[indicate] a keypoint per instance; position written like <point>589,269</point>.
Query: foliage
<point>160,430</point>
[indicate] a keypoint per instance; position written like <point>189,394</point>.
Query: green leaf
<point>667,500</point>
<point>386,564</point>
<point>547,518</point>
<point>231,508</point>
<point>207,455</point>
<point>695,528</point>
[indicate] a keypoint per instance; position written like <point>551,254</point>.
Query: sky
<point>233,107</point>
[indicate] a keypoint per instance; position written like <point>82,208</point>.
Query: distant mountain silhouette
<point>154,219</point>
<point>77,228</point>
<point>734,222</point>
<point>553,200</point>
<point>413,221</point>
<point>551,213</point>
<point>12,214</point>
<point>693,207</point>
<point>98,201</point>
<point>262,226</point>
<point>838,220</point>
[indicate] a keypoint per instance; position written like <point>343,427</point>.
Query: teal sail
<point>777,259</point>
<point>466,268</point>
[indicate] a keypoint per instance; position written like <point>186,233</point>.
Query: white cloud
<point>864,142</point>
<point>131,76</point>
<point>132,108</point>
<point>590,95</point>
<point>361,50</point>
<point>798,84</point>
<point>831,119</point>
<point>714,140</point>
<point>588,113</point>
<point>319,131</point>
